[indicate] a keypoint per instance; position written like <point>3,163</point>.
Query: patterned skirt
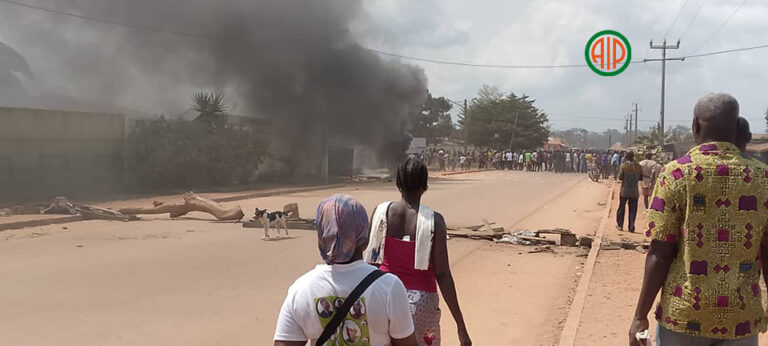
<point>425,309</point>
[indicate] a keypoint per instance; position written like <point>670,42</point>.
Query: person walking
<point>615,165</point>
<point>707,222</point>
<point>605,165</point>
<point>381,315</point>
<point>568,165</point>
<point>650,171</point>
<point>630,174</point>
<point>410,240</point>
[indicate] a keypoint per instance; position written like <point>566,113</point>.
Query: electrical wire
<point>695,15</point>
<point>679,12</point>
<point>377,51</point>
<point>726,51</point>
<point>458,63</point>
<point>723,24</point>
<point>111,22</point>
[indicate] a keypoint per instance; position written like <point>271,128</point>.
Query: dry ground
<point>194,281</point>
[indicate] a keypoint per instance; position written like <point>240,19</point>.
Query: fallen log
<point>192,202</point>
<point>95,213</point>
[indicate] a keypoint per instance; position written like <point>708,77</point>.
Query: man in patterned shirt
<point>707,221</point>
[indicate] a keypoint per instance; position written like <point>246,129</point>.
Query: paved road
<point>200,282</point>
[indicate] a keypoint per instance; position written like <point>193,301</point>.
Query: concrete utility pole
<point>635,121</point>
<point>626,128</point>
<point>630,128</point>
<point>663,60</point>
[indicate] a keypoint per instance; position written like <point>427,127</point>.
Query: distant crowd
<point>607,162</point>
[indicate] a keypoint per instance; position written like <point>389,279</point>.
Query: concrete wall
<point>46,153</point>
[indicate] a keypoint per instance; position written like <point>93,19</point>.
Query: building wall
<point>46,153</point>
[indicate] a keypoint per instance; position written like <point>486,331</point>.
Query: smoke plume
<point>295,62</point>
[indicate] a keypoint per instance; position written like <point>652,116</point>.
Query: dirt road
<point>200,282</point>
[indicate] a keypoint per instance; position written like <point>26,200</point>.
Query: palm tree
<point>12,64</point>
<point>670,136</point>
<point>211,107</point>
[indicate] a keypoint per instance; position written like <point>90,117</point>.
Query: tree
<point>581,138</point>
<point>766,120</point>
<point>12,63</point>
<point>211,108</point>
<point>497,120</point>
<point>671,135</point>
<point>434,120</point>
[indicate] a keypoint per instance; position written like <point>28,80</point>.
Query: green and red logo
<point>608,53</point>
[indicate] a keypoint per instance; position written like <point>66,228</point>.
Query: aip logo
<point>608,53</point>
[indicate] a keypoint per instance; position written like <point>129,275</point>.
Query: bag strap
<point>342,312</point>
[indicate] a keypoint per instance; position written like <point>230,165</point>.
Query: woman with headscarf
<point>381,315</point>
<point>415,240</point>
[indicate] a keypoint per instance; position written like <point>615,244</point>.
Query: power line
<point>459,63</point>
<point>111,22</point>
<point>381,52</point>
<point>695,15</point>
<point>721,26</point>
<point>726,51</point>
<point>679,12</point>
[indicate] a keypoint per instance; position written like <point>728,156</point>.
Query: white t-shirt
<point>381,313</point>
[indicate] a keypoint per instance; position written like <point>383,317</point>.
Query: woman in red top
<point>416,251</point>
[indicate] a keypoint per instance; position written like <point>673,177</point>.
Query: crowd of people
<point>707,218</point>
<point>607,162</point>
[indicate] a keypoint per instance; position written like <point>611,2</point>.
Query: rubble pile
<point>485,231</point>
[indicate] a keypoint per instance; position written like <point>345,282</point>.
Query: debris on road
<point>625,244</point>
<point>483,231</point>
<point>585,242</point>
<point>62,206</point>
<point>542,249</point>
<point>191,202</point>
<point>486,231</point>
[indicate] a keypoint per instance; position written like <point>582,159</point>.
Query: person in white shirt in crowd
<point>650,172</point>
<point>381,316</point>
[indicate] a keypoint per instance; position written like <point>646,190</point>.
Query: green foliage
<point>171,154</point>
<point>496,120</point>
<point>581,138</point>
<point>434,120</point>
<point>671,135</point>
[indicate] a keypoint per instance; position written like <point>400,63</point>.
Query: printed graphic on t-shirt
<point>354,330</point>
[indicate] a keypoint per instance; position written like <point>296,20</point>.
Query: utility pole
<point>630,129</point>
<point>512,139</point>
<point>626,128</point>
<point>635,121</point>
<point>663,60</point>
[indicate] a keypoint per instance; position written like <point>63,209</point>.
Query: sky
<point>501,32</point>
<point>551,32</point>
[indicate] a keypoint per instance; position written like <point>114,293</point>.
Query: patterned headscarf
<point>342,227</point>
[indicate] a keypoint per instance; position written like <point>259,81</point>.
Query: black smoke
<point>298,63</point>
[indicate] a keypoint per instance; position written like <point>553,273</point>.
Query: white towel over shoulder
<point>425,227</point>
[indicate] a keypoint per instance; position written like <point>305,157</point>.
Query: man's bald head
<point>743,134</point>
<point>714,118</point>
